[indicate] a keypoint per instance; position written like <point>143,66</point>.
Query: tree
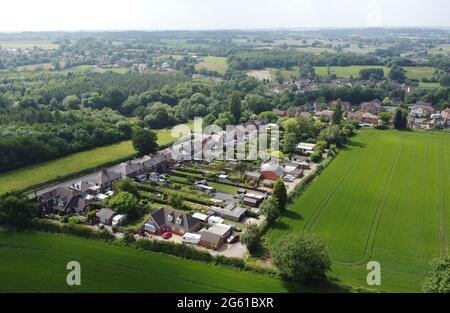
<point>289,142</point>
<point>271,209</point>
<point>280,194</point>
<point>332,135</point>
<point>400,119</point>
<point>251,238</point>
<point>125,203</point>
<point>71,102</point>
<point>301,257</point>
<point>16,210</point>
<point>337,113</point>
<point>234,103</point>
<point>397,73</point>
<point>144,141</point>
<point>126,185</point>
<point>307,72</point>
<point>385,118</point>
<point>439,279</point>
<point>176,201</point>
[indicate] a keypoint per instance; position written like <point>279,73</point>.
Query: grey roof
<point>223,196</point>
<point>128,168</point>
<point>210,237</point>
<point>105,177</point>
<point>252,175</point>
<point>61,193</point>
<point>160,218</point>
<point>276,168</point>
<point>105,214</point>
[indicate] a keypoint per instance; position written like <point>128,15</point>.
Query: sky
<point>72,15</point>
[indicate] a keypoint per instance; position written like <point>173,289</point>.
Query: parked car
<point>233,239</point>
<point>167,235</point>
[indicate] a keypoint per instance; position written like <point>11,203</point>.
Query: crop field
<point>36,262</point>
<point>384,198</point>
<point>212,63</point>
<point>41,172</point>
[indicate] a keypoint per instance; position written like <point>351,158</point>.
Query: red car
<point>167,235</point>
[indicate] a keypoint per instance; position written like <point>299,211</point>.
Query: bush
<point>251,238</point>
<point>301,257</point>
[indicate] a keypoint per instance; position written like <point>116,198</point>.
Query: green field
<point>41,172</point>
<point>384,198</point>
<point>347,71</point>
<point>36,262</point>
<point>212,63</point>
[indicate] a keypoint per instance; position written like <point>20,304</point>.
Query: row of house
<point>77,197</point>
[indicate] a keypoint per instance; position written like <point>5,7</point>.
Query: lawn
<point>212,63</point>
<point>384,198</point>
<point>36,262</point>
<point>41,172</point>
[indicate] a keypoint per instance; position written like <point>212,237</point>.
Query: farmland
<point>41,172</point>
<point>347,71</point>
<point>36,262</point>
<point>212,63</point>
<point>384,198</point>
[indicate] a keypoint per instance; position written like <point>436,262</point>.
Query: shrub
<point>251,238</point>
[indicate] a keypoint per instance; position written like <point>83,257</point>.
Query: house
<point>106,216</point>
<point>271,171</point>
<point>166,219</point>
<point>327,114</point>
<point>373,106</point>
<point>231,212</point>
<point>129,169</point>
<point>215,236</point>
<point>212,220</point>
<point>105,179</point>
<point>306,148</point>
<point>63,200</point>
<point>363,117</point>
<point>422,109</point>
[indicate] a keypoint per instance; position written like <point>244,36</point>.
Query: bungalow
<point>105,179</point>
<point>373,106</point>
<point>63,200</point>
<point>306,148</point>
<point>446,117</point>
<point>166,219</point>
<point>106,216</point>
<point>230,212</point>
<point>271,171</point>
<point>200,216</point>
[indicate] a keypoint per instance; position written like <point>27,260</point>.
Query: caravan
<point>191,238</point>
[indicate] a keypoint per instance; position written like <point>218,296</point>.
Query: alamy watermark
<point>73,278</point>
<point>374,276</point>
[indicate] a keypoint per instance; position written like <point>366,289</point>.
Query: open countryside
<point>383,198</point>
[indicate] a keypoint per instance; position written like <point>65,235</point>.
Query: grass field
<point>347,71</point>
<point>384,198</point>
<point>212,63</point>
<point>41,172</point>
<point>36,262</point>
